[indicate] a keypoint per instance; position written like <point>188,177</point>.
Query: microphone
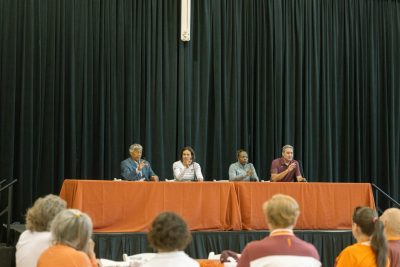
<point>145,165</point>
<point>195,176</point>
<point>301,170</point>
<point>144,161</point>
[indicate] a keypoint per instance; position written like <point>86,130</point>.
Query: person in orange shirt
<point>391,220</point>
<point>73,247</point>
<point>371,247</point>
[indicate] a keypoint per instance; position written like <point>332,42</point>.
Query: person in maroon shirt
<point>391,220</point>
<point>286,169</point>
<point>281,248</point>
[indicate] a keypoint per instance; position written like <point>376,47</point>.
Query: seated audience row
<point>281,248</point>
<point>284,169</point>
<point>70,243</point>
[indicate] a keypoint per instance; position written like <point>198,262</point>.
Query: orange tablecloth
<point>123,206</point>
<point>323,205</point>
<point>131,206</point>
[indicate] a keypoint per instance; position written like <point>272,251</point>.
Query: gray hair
<point>39,217</point>
<point>72,228</point>
<point>286,147</point>
<point>135,147</point>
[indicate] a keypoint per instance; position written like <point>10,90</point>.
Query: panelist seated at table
<point>286,169</point>
<point>187,169</point>
<point>242,170</point>
<point>135,168</point>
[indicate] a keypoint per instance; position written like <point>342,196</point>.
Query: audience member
<point>242,170</point>
<point>286,169</point>
<point>186,169</point>
<point>281,248</point>
<point>169,235</point>
<point>37,237</point>
<point>391,221</point>
<point>135,168</point>
<point>72,244</point>
<point>371,246</point>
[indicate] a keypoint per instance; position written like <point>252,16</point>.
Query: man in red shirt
<point>286,169</point>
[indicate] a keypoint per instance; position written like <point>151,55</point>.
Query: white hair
<point>73,228</point>
<point>135,147</point>
<point>286,147</point>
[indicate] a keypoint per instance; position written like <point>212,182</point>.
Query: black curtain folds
<point>81,80</point>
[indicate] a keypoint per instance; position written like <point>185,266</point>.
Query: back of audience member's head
<point>281,211</point>
<point>43,211</point>
<point>367,220</point>
<point>169,232</point>
<point>391,220</point>
<point>72,228</point>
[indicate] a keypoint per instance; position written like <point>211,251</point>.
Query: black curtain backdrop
<point>81,80</point>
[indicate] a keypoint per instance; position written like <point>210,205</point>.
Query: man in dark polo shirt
<point>286,169</point>
<point>391,220</point>
<point>281,248</point>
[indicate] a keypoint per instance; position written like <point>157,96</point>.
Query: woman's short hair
<point>169,232</point>
<point>281,211</point>
<point>72,228</point>
<point>191,152</point>
<point>135,147</point>
<point>39,216</point>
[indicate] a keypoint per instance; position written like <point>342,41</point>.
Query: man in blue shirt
<point>135,168</point>
<point>242,170</point>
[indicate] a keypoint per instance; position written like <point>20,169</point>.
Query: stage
<point>113,245</point>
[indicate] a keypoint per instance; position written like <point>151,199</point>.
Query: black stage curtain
<point>81,80</point>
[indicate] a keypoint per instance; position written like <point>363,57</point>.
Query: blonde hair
<point>43,211</point>
<point>72,228</point>
<point>281,211</point>
<point>391,219</point>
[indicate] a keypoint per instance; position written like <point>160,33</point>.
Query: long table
<point>322,205</point>
<point>123,206</point>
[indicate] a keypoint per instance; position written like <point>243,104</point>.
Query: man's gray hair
<point>286,147</point>
<point>135,147</point>
<point>72,228</point>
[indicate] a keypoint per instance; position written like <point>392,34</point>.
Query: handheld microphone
<point>194,170</point>
<point>142,170</point>
<point>301,170</point>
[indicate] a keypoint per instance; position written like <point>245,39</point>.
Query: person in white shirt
<point>169,235</point>
<point>37,237</point>
<point>187,169</point>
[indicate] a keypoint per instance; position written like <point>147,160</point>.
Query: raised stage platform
<point>113,245</point>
